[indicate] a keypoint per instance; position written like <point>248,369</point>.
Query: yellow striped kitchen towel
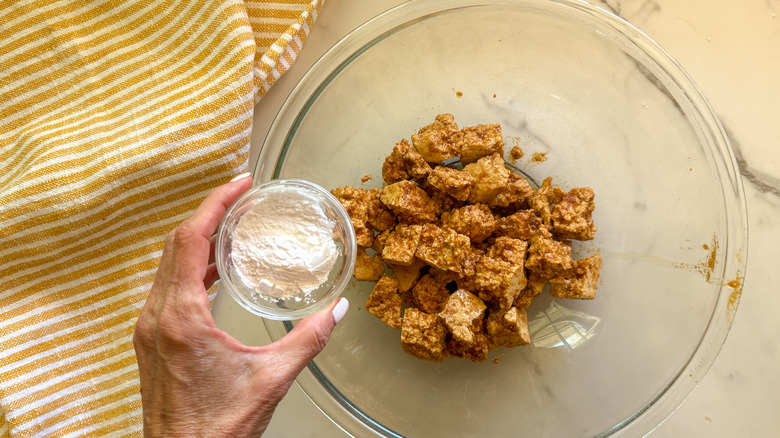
<point>117,117</point>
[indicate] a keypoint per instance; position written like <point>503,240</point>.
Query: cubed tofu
<point>475,350</point>
<point>543,198</point>
<point>401,244</point>
<point>572,218</point>
<point>404,163</point>
<point>517,191</point>
<point>379,217</point>
<point>462,315</point>
<point>451,181</point>
<point>475,142</point>
<point>498,281</point>
<point>507,328</point>
<point>356,202</point>
<point>444,249</point>
<point>423,335</point>
<point>509,250</point>
<point>533,287</point>
<point>475,221</point>
<point>521,224</point>
<point>410,203</point>
<point>407,275</point>
<point>368,268</point>
<point>429,295</point>
<point>491,177</point>
<point>580,281</point>
<point>379,241</point>
<point>433,141</point>
<point>385,301</point>
<point>547,257</point>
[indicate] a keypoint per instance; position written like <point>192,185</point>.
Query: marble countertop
<point>732,51</point>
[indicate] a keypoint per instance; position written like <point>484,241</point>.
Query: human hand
<point>197,380</point>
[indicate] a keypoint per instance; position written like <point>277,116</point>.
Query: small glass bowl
<point>298,306</point>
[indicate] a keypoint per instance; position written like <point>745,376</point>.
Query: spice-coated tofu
<point>401,245</point>
<point>509,250</point>
<point>423,335</point>
<point>518,190</point>
<point>572,218</point>
<point>385,301</point>
<point>462,315</point>
<point>410,203</point>
<point>368,268</point>
<point>404,163</point>
<point>407,275</point>
<point>533,287</point>
<point>475,221</point>
<point>433,141</point>
<point>498,281</point>
<point>543,198</point>
<point>507,328</point>
<point>491,178</point>
<point>475,350</point>
<point>475,142</point>
<point>451,181</point>
<point>580,281</point>
<point>444,249</point>
<point>356,202</point>
<point>521,224</point>
<point>429,295</point>
<point>379,217</point>
<point>379,241</point>
<point>547,257</point>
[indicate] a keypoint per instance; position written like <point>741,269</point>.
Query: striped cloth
<point>117,117</point>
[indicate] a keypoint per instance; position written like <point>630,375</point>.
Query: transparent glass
<point>300,305</point>
<point>614,112</point>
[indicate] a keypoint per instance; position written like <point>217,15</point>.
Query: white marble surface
<point>732,50</point>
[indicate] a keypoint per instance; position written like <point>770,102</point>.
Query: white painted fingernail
<point>240,176</point>
<point>340,310</point>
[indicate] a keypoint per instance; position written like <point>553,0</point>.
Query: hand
<point>196,380</point>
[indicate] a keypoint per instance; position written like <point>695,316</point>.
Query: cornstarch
<point>283,247</point>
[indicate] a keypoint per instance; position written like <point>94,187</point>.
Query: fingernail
<point>340,310</point>
<point>240,176</point>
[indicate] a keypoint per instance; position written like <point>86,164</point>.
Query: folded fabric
<point>116,119</point>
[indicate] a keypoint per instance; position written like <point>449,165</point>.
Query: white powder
<point>283,247</point>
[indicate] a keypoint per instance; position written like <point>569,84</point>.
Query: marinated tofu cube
<point>379,217</point>
<point>509,250</point>
<point>543,198</point>
<point>522,225</point>
<point>433,141</point>
<point>462,315</point>
<point>490,178</point>
<point>368,268</point>
<point>385,301</point>
<point>356,203</point>
<point>572,218</point>
<point>475,350</point>
<point>547,257</point>
<point>379,241</point>
<point>401,245</point>
<point>407,275</point>
<point>580,281</point>
<point>498,281</point>
<point>507,328</point>
<point>475,142</point>
<point>429,295</point>
<point>409,202</point>
<point>518,191</point>
<point>475,221</point>
<point>423,335</point>
<point>404,163</point>
<point>452,182</point>
<point>533,287</point>
<point>444,249</point>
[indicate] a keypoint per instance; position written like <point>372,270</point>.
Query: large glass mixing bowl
<point>614,112</point>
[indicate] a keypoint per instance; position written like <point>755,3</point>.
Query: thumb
<point>298,347</point>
